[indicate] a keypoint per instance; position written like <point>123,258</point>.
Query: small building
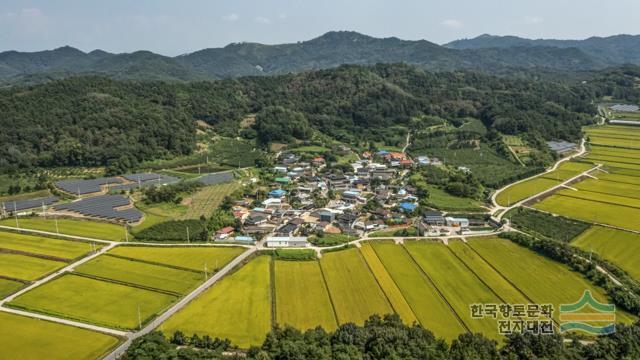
<point>282,180</point>
<point>408,207</point>
<point>277,193</point>
<point>280,169</point>
<point>224,233</point>
<point>247,239</point>
<point>406,163</point>
<point>457,222</point>
<point>423,160</point>
<point>317,161</point>
<point>327,216</point>
<point>286,241</point>
<point>433,218</point>
<point>273,202</point>
<point>464,169</point>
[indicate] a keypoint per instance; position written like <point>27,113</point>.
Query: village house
<point>286,241</point>
<point>224,233</point>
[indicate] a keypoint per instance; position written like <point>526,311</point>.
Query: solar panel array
<point>28,204</point>
<point>104,207</point>
<point>625,108</point>
<point>81,187</point>
<point>142,180</point>
<point>216,178</point>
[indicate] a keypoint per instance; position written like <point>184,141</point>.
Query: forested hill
<point>327,51</point>
<point>618,49</point>
<point>100,121</point>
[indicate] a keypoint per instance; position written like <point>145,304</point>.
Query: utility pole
<point>206,274</point>
<point>139,319</point>
<point>44,211</point>
<point>15,213</point>
<point>56,220</point>
<point>188,234</point>
<point>126,233</point>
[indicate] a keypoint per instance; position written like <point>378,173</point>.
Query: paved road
<point>179,305</point>
<point>496,207</point>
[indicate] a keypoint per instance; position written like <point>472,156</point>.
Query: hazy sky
<point>173,27</point>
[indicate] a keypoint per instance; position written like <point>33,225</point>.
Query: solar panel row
<point>81,187</point>
<point>104,207</point>
<point>625,108</point>
<point>28,204</point>
<point>144,180</point>
<point>216,178</point>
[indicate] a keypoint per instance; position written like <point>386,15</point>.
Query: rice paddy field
<point>190,258</point>
<point>301,296</point>
<point>537,277</point>
<point>84,228</point>
<point>354,290</point>
<point>45,246</point>
<point>237,308</point>
<point>94,301</point>
<point>528,188</point>
<point>388,285</point>
<point>430,308</point>
<point>27,268</point>
<point>131,272</point>
<point>457,283</point>
<point>8,287</point>
<point>619,247</point>
<point>28,338</point>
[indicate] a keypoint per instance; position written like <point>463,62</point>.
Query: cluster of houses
<point>306,198</point>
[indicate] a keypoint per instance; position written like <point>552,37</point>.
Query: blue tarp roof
<point>408,206</point>
<point>277,192</point>
<point>383,152</point>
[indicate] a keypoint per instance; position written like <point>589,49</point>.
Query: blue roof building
<point>382,152</point>
<point>408,206</point>
<point>277,193</point>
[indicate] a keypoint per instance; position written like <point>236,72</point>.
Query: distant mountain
<point>485,53</point>
<point>612,50</point>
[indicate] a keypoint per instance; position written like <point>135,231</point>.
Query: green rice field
<point>601,197</point>
<point>94,301</point>
<point>26,268</point>
<point>459,285</point>
<point>592,211</point>
<point>609,187</point>
<point>388,285</point>
<point>28,338</point>
<point>191,258</point>
<point>429,307</point>
<point>539,278</point>
<point>354,290</point>
<point>528,188</point>
<point>237,308</point>
<point>142,274</point>
<point>619,247</point>
<point>83,228</point>
<point>302,299</point>
<point>44,246</point>
<point>8,287</point>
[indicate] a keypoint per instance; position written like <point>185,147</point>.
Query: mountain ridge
<point>489,53</point>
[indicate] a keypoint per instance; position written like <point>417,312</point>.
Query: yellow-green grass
<point>8,287</point>
<point>523,190</point>
<point>27,338</point>
<point>592,211</point>
<point>528,188</point>
<point>302,300</point>
<point>611,141</point>
<point>192,258</point>
<point>44,246</point>
<point>604,198</point>
<point>83,228</point>
<point>432,311</point>
<point>443,200</point>
<point>459,285</point>
<point>26,268</point>
<point>391,290</point>
<point>615,159</point>
<point>237,308</point>
<point>609,187</point>
<point>142,274</point>
<point>157,213</point>
<point>543,280</point>
<point>619,247</point>
<point>620,171</point>
<point>94,301</point>
<point>611,151</point>
<point>354,291</point>
<point>489,275</point>
<point>621,163</point>
<point>208,199</point>
<point>619,178</point>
